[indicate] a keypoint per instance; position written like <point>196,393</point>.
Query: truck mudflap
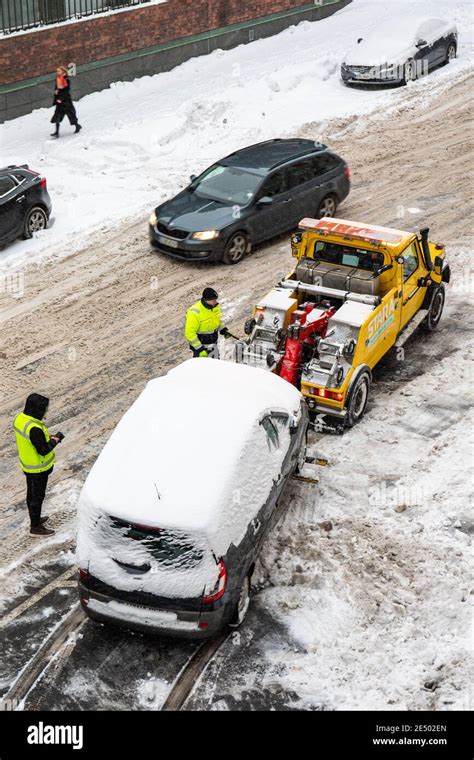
<point>445,272</point>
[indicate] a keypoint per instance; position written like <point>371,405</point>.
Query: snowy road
<point>370,614</point>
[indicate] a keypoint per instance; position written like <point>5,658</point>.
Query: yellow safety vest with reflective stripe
<point>201,321</point>
<point>30,461</point>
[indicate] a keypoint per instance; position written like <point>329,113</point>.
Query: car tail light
<point>219,588</point>
<point>203,625</point>
<point>43,183</point>
<point>347,172</point>
<point>83,574</point>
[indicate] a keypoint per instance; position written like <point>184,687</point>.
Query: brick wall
<point>37,53</point>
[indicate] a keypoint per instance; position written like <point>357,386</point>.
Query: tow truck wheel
<point>358,400</point>
<point>242,604</point>
<point>236,248</point>
<point>431,321</point>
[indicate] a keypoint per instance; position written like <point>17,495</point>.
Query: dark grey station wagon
<point>248,197</point>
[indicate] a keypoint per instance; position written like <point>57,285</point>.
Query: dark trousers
<point>62,110</point>
<point>35,493</point>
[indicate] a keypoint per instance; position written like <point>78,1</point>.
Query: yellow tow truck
<point>357,291</point>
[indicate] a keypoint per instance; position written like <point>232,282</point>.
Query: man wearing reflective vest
<point>36,454</point>
<point>204,323</point>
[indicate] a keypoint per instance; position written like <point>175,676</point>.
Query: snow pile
<point>373,575</point>
<point>141,140</point>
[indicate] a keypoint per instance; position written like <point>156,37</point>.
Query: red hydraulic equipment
<point>308,324</point>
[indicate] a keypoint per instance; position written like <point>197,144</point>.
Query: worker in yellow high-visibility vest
<point>36,453</point>
<point>204,323</point>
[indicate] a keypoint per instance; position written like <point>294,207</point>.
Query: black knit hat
<point>209,294</point>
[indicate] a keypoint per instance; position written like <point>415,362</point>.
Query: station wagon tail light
<point>219,588</point>
<point>43,183</point>
<point>347,172</point>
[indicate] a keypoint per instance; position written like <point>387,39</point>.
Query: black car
<point>25,205</point>
<point>248,197</point>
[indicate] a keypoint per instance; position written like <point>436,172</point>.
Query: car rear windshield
<point>348,256</point>
<point>170,548</point>
<point>228,184</point>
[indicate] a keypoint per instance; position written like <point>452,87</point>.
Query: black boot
<point>78,128</point>
<point>55,134</point>
<point>40,530</point>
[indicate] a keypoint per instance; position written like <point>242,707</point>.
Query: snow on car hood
<point>393,41</point>
<point>184,456</point>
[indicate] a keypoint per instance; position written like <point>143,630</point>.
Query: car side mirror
<point>438,263</point>
<point>421,43</point>
<point>265,200</point>
<point>192,177</point>
<point>359,40</point>
<point>399,259</point>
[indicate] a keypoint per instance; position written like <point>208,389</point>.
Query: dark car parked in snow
<point>25,205</point>
<point>400,50</point>
<point>248,197</point>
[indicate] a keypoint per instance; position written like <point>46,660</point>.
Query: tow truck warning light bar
<point>350,231</point>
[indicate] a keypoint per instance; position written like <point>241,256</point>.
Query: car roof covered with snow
<point>394,40</point>
<point>172,459</point>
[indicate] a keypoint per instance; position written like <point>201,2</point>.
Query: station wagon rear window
<point>169,548</point>
<point>348,256</point>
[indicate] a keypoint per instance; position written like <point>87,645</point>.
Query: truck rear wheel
<point>435,310</point>
<point>358,400</point>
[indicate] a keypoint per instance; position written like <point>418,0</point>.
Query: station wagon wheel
<point>327,206</point>
<point>36,220</point>
<point>451,52</point>
<point>242,605</point>
<point>435,310</point>
<point>358,400</point>
<point>236,248</point>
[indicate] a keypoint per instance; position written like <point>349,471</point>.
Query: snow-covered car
<point>174,510</point>
<point>399,50</point>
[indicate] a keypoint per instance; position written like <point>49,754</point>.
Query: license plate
<point>168,241</point>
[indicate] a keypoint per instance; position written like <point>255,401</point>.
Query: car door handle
<point>21,198</point>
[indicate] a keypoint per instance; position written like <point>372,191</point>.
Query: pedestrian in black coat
<point>63,102</point>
